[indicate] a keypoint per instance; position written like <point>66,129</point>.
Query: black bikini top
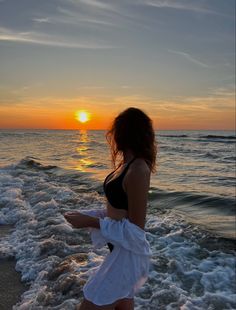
<point>114,190</point>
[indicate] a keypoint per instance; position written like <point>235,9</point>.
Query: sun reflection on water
<point>83,145</point>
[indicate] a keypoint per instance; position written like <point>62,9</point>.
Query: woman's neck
<point>128,156</point>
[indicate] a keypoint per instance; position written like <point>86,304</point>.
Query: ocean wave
<point>32,162</point>
<point>210,155</point>
<point>173,199</point>
<point>174,136</point>
<point>97,143</point>
<point>215,138</point>
<point>230,158</point>
<point>19,134</point>
<point>218,137</point>
<point>215,214</point>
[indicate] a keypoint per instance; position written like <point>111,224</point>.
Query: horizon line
<point>84,129</point>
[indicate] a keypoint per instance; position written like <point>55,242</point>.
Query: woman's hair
<point>132,129</point>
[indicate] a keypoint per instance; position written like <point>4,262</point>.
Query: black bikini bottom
<point>110,246</point>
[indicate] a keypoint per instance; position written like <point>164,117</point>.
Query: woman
<point>121,224</point>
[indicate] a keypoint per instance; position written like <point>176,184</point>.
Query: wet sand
<point>11,287</point>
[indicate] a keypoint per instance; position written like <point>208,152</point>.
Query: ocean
<point>190,219</point>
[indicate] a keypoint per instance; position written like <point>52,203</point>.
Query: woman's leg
<point>125,304</point>
<point>87,305</point>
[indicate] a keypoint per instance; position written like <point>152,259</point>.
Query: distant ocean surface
<point>190,222</point>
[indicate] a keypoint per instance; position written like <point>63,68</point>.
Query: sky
<point>174,59</point>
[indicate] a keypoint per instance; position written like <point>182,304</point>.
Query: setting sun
<point>82,116</point>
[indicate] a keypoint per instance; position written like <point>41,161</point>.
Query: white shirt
<point>126,268</point>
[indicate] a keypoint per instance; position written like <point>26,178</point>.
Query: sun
<point>82,116</point>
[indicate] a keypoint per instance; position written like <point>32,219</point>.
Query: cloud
<point>44,39</point>
<point>96,4</point>
<point>189,57</point>
<point>185,5</point>
<point>112,13</point>
<point>224,91</point>
<point>41,20</point>
<point>180,5</point>
<point>75,18</point>
<point>91,87</point>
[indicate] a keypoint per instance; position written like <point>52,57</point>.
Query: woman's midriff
<point>116,214</point>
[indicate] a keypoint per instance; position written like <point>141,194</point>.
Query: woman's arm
<point>137,182</point>
<point>80,220</point>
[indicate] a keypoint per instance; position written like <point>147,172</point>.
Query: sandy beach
<point>11,287</point>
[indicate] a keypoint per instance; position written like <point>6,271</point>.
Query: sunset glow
<point>82,116</point>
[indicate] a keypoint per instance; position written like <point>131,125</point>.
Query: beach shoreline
<point>11,287</point>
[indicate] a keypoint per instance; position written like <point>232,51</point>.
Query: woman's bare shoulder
<point>139,168</point>
<point>141,165</point>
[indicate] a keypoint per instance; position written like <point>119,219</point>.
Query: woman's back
<point>135,175</point>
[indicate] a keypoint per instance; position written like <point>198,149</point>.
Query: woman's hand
<point>80,220</point>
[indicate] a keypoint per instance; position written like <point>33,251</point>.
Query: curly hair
<point>132,130</point>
